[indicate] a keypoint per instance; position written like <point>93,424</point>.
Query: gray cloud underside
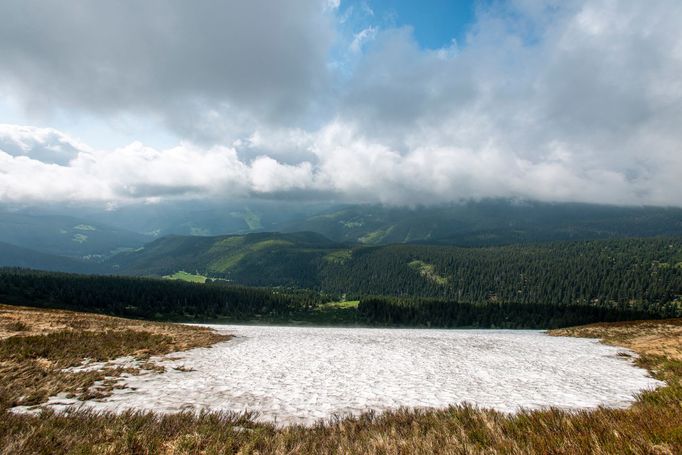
<point>564,101</point>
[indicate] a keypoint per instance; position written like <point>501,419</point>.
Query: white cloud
<point>45,144</point>
<point>563,101</point>
<point>270,176</point>
<point>134,172</point>
<point>362,37</point>
<point>333,4</point>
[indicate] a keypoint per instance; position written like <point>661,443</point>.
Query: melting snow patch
<point>300,375</point>
<point>90,365</point>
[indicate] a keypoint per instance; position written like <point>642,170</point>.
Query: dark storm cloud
<point>260,58</point>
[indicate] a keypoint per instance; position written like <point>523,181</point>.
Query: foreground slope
<point>36,346</point>
<point>651,425</point>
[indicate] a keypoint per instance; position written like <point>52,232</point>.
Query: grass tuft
<point>17,326</point>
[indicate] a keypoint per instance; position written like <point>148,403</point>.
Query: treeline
<point>441,313</point>
<point>159,299</point>
<point>604,272</point>
<point>147,297</point>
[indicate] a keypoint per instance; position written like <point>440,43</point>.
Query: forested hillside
<point>421,312</point>
<point>145,297</point>
<point>260,259</point>
<point>646,271</point>
<point>643,275</point>
<point>179,301</point>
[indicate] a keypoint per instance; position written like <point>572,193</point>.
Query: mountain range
<point>305,237</point>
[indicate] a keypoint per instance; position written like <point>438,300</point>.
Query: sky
<point>385,101</point>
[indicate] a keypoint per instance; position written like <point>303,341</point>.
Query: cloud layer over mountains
<point>553,100</point>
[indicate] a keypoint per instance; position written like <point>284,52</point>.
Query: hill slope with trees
<point>596,272</point>
<point>158,299</point>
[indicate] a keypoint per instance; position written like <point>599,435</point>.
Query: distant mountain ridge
<point>491,222</point>
<point>297,254</point>
<point>95,236</point>
<point>15,256</point>
<point>65,235</point>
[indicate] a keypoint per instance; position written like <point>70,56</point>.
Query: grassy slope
<point>37,344</point>
<point>652,425</point>
<point>185,276</point>
<point>278,257</point>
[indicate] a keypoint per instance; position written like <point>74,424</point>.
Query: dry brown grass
<point>653,425</point>
<point>39,321</point>
<point>36,346</point>
<point>651,338</point>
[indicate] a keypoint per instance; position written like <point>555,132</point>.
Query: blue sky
<point>435,23</point>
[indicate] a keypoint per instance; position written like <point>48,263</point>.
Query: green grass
<point>375,237</point>
<point>227,253</point>
<point>428,271</point>
<point>339,257</point>
<point>225,263</point>
<point>269,244</point>
<point>341,305</point>
<point>80,238</point>
<point>226,244</point>
<point>352,224</point>
<point>185,276</point>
